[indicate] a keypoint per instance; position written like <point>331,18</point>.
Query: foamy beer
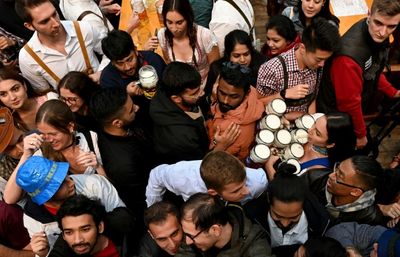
<point>271,122</point>
<point>260,153</point>
<point>299,136</point>
<point>265,136</point>
<point>148,79</point>
<point>282,138</point>
<point>305,122</point>
<point>295,163</point>
<point>293,151</point>
<point>276,106</point>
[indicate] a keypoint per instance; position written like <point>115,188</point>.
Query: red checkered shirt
<point>270,78</point>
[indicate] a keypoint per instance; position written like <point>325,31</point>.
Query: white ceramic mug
<point>282,138</point>
<point>265,136</point>
<point>293,151</point>
<point>148,79</point>
<point>276,106</point>
<point>299,136</point>
<point>305,122</point>
<point>271,122</point>
<point>260,153</point>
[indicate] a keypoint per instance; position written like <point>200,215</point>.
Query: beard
<point>190,105</point>
<point>90,248</point>
<point>224,108</point>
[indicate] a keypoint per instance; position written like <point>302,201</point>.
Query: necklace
<point>320,150</point>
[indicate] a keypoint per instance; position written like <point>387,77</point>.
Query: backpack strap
<point>243,15</point>
<point>285,73</point>
<point>88,138</point>
<point>102,17</point>
<point>89,69</point>
<point>295,102</point>
<point>41,63</point>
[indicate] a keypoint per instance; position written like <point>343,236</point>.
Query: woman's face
<point>13,94</point>
<point>73,101</point>
<point>275,42</point>
<point>318,134</point>
<point>241,55</point>
<point>311,7</point>
<point>176,23</point>
<point>58,140</point>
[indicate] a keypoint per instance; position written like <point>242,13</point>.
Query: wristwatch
<point>283,94</point>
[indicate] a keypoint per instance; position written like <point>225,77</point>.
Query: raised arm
<point>12,192</point>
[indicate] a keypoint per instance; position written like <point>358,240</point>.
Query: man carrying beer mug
<point>123,70</point>
<point>296,75</point>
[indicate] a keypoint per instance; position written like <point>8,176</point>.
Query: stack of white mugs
<point>288,140</point>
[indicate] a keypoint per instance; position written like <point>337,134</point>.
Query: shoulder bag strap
<point>41,63</point>
<point>102,17</point>
<point>285,73</point>
<point>241,13</point>
<point>89,69</point>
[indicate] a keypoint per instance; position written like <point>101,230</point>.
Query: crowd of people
<point>93,162</point>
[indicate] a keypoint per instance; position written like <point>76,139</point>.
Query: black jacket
<point>176,136</point>
<point>318,222</point>
<point>317,179</point>
<point>247,240</point>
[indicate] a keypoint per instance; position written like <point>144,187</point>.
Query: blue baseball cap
<point>41,178</point>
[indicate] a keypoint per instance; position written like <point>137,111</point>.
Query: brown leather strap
<point>89,69</point>
<point>102,17</point>
<point>41,63</point>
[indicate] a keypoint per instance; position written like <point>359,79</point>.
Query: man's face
<point>190,97</point>
<point>203,240</point>
<point>168,234</point>
<point>314,60</point>
<point>129,113</point>
<point>127,66</point>
<point>380,27</point>
<point>81,233</point>
<point>286,215</point>
<point>234,192</point>
<point>15,148</point>
<point>229,97</point>
<point>66,190</point>
<point>45,20</point>
<point>343,181</point>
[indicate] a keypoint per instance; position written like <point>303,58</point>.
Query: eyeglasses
<point>336,169</point>
<point>194,237</point>
<point>71,100</point>
<point>234,66</point>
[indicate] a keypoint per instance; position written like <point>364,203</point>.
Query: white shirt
<point>72,9</point>
<point>59,63</point>
<point>183,178</point>
<point>297,235</point>
<point>225,18</point>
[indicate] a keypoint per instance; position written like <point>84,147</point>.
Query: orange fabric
<point>246,115</point>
